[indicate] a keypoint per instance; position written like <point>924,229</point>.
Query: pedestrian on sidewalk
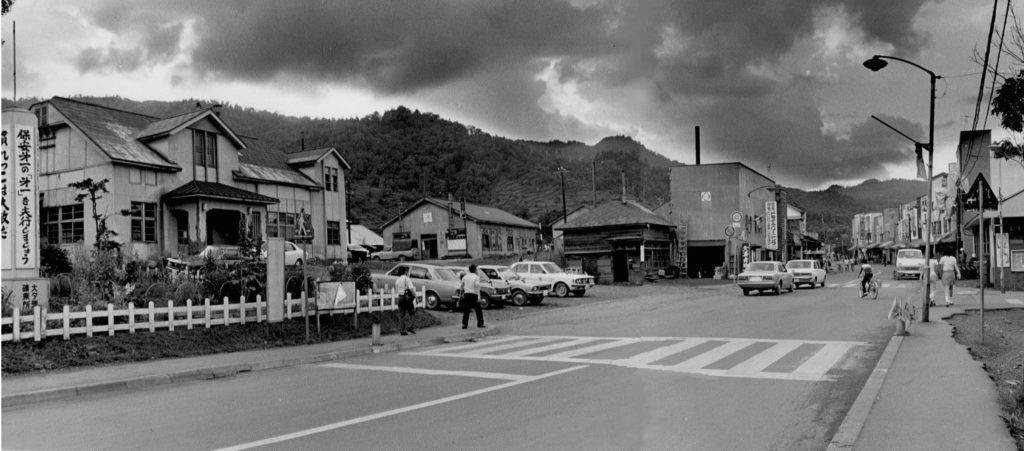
<point>406,301</point>
<point>470,289</point>
<point>950,273</point>
<point>933,277</point>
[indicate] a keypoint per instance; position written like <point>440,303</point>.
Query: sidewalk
<point>927,393</point>
<point>32,388</point>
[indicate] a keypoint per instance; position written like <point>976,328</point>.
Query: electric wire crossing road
<point>803,360</point>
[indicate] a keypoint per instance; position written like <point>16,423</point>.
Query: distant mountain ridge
<point>402,155</point>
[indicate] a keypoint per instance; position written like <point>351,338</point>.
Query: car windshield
<point>798,264</point>
<point>446,274</point>
<point>909,253</point>
<point>507,273</point>
<point>551,268</point>
<point>761,266</point>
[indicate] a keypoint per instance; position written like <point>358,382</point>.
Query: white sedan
<point>806,272</point>
<point>765,276</point>
<point>292,253</point>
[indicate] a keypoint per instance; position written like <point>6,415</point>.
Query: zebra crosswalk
<point>804,360</point>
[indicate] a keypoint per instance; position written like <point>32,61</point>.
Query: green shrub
<point>54,260</point>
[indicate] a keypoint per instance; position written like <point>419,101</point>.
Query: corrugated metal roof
<point>360,234</point>
<point>475,212</point>
<point>266,174</point>
<point>114,132</point>
<point>165,126</point>
<point>616,213</point>
<point>304,157</point>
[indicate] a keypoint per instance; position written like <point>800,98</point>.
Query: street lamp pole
<point>876,63</point>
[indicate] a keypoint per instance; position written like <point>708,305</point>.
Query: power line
<point>995,70</point>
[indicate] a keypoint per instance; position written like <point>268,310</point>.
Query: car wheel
<point>298,262</point>
<point>746,292</point>
<point>519,298</point>
<point>778,288</point>
<point>485,301</point>
<point>561,290</point>
<point>814,283</point>
<point>579,293</point>
<point>432,301</point>
<point>823,282</point>
<point>791,285</point>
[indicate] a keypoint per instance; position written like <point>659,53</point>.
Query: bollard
<point>376,335</point>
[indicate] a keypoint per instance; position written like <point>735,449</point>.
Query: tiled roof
<point>616,213</point>
<point>114,132</point>
<point>210,190</point>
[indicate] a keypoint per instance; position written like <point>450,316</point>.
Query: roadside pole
<point>305,298</point>
<point>981,261</point>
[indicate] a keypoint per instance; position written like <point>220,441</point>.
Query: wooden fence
<point>39,323</point>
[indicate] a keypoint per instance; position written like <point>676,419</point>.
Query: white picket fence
<point>36,324</point>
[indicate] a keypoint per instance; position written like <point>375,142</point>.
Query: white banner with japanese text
<point>771,229</point>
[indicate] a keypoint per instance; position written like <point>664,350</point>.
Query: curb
<point>846,436</point>
<point>218,372</point>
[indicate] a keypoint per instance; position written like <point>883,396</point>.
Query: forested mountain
<point>401,155</point>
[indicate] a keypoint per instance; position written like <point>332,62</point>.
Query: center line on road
<point>410,370</point>
<point>377,416</point>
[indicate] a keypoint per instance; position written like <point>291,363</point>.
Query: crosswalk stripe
<point>660,353</point>
<point>427,371</point>
<point>822,361</point>
<point>711,356</point>
<point>514,345</point>
<point>550,347</point>
<point>591,349</point>
<point>764,359</point>
<point>478,344</point>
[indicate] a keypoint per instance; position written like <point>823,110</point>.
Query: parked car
<point>389,254</point>
<point>293,254</point>
<point>221,254</point>
<point>765,276</point>
<point>908,263</point>
<point>562,282</point>
<point>807,272</point>
<point>493,292</point>
<point>522,289</point>
<point>441,284</point>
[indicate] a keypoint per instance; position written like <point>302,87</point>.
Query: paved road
<point>656,367</point>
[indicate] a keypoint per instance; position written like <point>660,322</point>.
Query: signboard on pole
<point>304,228</point>
<point>1002,250</point>
<point>6,213</point>
<point>737,219</point>
<point>980,188</point>
<point>771,229</point>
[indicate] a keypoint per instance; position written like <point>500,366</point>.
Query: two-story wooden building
<point>178,183</point>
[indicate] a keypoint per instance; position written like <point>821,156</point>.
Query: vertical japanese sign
<point>7,231</point>
<point>26,233</point>
<point>771,229</point>
<point>1002,250</point>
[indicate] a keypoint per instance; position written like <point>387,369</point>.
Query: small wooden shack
<point>619,241</point>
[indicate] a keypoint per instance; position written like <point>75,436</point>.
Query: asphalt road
<point>662,366</point>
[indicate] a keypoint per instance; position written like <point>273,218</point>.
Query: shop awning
<point>947,238</point>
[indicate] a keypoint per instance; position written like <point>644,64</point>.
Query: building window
<point>204,148</point>
<point>47,137</point>
<point>485,241</point>
<point>281,225</point>
<point>144,222</point>
<point>511,244</point>
<point>331,179</point>
<point>135,176</point>
<point>64,224</point>
<point>333,232</point>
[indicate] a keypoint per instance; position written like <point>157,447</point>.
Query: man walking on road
<point>950,272</point>
<point>470,287</point>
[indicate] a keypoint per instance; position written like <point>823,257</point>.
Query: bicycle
<point>873,287</point>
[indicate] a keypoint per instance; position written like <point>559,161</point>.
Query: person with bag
<point>470,289</point>
<point>406,301</point>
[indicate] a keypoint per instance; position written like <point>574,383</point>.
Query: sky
<point>776,84</point>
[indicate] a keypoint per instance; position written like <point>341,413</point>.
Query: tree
<point>1008,99</point>
<point>7,4</point>
<point>93,190</point>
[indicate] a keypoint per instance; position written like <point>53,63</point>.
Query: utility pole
<point>565,213</point>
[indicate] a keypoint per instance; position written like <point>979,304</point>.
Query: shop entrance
<point>429,246</point>
<point>702,260</point>
<point>222,226</point>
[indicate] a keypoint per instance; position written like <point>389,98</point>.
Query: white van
<point>908,263</point>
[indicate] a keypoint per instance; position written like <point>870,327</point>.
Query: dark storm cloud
<point>716,63</point>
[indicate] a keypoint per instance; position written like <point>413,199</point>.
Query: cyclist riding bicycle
<point>867,273</point>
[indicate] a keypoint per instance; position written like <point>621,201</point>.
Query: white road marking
<point>1015,301</point>
<point>377,416</point>
<point>483,343</point>
<point>431,372</point>
<point>819,360</point>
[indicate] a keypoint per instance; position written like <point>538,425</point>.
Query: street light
<point>876,63</point>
